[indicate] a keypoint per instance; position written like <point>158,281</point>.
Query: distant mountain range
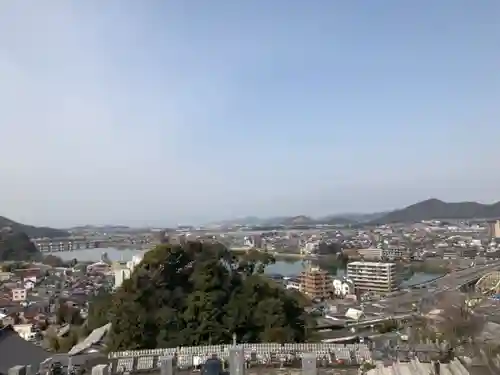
<point>425,210</point>
<point>30,230</point>
<point>437,209</point>
<point>103,228</point>
<point>342,219</point>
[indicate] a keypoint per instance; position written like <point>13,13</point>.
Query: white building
<point>373,276</point>
<point>121,274</point>
<point>343,287</point>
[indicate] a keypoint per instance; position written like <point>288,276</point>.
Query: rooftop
<point>375,264</point>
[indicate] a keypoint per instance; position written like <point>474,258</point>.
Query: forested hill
<point>437,209</point>
<point>17,247</point>
<point>32,231</point>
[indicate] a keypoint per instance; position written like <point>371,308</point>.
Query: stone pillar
<point>309,364</point>
<point>167,366</point>
<point>100,370</point>
<point>17,370</point>
<point>236,360</point>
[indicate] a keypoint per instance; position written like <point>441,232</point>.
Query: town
<point>366,285</point>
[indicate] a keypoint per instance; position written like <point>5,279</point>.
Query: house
<point>29,284</point>
<point>4,276</point>
<point>25,331</point>
<point>19,294</point>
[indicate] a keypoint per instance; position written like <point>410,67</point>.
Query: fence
<point>268,354</point>
<point>234,357</point>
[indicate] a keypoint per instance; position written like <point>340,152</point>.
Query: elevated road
<point>451,281</point>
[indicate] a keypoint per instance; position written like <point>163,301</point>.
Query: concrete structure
<point>373,276</point>
<point>316,283</point>
<point>494,229</point>
<point>167,366</point>
<point>237,360</point>
<point>489,283</point>
<point>309,364</point>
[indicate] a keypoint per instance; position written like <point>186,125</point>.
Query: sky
<point>174,112</point>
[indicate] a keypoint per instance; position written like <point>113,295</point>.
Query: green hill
<point>30,230</point>
<point>17,247</point>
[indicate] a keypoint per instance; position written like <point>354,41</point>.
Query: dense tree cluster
<point>16,247</point>
<point>199,293</point>
<point>67,314</point>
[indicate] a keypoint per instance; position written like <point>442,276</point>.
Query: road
<point>450,281</point>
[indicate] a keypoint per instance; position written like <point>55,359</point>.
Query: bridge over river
<point>54,245</point>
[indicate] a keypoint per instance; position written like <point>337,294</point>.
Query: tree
<point>17,247</point>
<point>199,293</point>
<point>66,314</point>
<point>53,261</point>
<point>99,310</point>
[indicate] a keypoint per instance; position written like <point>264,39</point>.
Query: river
<point>290,267</point>
<point>282,267</point>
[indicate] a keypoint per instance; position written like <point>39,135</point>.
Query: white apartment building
<point>373,276</point>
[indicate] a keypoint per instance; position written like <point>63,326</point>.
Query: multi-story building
<point>370,253</point>
<point>373,276</point>
<point>316,283</point>
<point>494,228</point>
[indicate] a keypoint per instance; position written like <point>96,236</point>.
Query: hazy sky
<point>163,112</point>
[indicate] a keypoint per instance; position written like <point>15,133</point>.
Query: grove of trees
<point>199,293</point>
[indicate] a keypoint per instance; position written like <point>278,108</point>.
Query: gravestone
<point>167,366</point>
<point>309,364</point>
<point>236,360</point>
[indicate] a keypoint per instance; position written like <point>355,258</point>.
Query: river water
<point>282,267</point>
<point>285,268</point>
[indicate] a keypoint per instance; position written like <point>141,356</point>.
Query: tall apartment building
<point>494,228</point>
<point>373,276</point>
<point>316,283</point>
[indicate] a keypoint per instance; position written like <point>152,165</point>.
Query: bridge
<point>452,281</point>
<point>53,245</point>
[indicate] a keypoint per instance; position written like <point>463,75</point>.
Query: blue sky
<point>163,112</point>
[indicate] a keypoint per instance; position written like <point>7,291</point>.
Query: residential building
<point>370,254</point>
<point>373,276</point>
<point>343,287</point>
<point>19,294</point>
<point>394,252</point>
<point>494,228</point>
<point>316,283</point>
<point>5,276</point>
<point>26,331</point>
<point>121,274</point>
